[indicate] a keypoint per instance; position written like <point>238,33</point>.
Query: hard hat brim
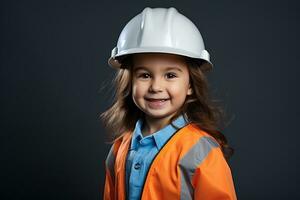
<point>115,60</point>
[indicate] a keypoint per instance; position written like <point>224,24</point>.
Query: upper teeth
<point>157,99</point>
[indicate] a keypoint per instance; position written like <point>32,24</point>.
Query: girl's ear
<point>190,90</point>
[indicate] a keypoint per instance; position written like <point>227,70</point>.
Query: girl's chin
<point>158,115</point>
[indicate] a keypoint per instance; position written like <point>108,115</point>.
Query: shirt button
<point>137,166</point>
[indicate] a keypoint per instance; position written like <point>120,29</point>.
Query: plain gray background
<point>54,64</point>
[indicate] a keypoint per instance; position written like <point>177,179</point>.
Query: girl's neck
<point>152,125</point>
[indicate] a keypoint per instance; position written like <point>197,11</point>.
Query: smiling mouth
<point>157,103</point>
<point>156,100</point>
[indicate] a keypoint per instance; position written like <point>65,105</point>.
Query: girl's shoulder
<point>122,137</point>
<point>199,145</point>
<point>191,138</point>
<point>111,156</point>
<point>195,132</point>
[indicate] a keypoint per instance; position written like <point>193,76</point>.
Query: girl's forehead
<point>154,59</point>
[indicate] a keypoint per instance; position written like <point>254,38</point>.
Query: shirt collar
<point>161,136</point>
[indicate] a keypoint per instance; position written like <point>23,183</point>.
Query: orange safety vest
<point>190,165</point>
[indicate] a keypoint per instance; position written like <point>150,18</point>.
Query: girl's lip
<point>153,99</point>
<point>156,103</point>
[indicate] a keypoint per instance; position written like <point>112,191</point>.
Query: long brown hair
<point>199,108</point>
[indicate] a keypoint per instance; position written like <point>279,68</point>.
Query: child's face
<point>160,84</point>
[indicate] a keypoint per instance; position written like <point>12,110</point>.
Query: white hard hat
<point>160,30</point>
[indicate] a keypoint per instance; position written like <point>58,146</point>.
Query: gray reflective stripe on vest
<point>191,161</point>
<point>110,162</point>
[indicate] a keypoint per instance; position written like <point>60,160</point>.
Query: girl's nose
<point>156,85</point>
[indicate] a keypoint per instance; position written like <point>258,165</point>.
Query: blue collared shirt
<point>141,153</point>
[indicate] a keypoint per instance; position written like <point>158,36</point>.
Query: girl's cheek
<point>178,89</point>
<point>138,91</point>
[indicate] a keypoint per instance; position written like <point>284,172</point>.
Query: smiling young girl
<point>167,141</point>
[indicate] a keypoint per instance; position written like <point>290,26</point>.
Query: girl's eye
<point>171,75</point>
<point>147,75</point>
<point>144,75</point>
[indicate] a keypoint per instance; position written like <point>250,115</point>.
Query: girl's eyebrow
<point>139,68</point>
<point>167,69</point>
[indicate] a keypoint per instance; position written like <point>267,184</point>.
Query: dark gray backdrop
<point>54,63</point>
